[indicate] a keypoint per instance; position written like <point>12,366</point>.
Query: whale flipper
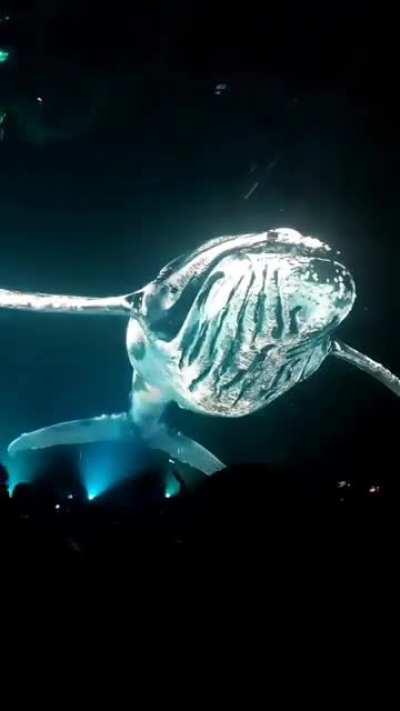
<point>119,427</point>
<point>368,365</point>
<point>92,429</point>
<point>183,449</point>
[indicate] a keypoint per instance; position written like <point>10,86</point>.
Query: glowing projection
<point>221,331</point>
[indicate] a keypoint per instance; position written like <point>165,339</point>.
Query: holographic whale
<point>221,331</point>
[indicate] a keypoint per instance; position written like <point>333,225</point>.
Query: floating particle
<point>251,191</point>
<point>343,484</point>
<point>220,89</point>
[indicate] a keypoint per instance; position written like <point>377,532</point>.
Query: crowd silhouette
<point>278,513</point>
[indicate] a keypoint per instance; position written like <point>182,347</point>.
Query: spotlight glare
<point>20,472</point>
<point>172,486</point>
<point>102,466</point>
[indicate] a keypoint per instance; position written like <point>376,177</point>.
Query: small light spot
<point>220,89</point>
<point>375,489</point>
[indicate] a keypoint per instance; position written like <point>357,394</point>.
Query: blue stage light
<point>20,471</point>
<point>102,466</point>
<point>172,486</point>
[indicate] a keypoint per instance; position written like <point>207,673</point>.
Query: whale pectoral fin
<point>184,449</point>
<point>121,427</point>
<point>93,429</point>
<point>187,476</point>
<point>363,362</point>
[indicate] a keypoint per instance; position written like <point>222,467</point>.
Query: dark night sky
<point>133,158</point>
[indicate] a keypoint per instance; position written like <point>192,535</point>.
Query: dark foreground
<point>250,517</point>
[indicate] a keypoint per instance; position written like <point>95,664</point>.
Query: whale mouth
<point>175,289</point>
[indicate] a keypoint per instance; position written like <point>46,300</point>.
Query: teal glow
<point>102,466</point>
<point>172,486</point>
<point>97,472</point>
<point>19,472</point>
<point>4,55</point>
